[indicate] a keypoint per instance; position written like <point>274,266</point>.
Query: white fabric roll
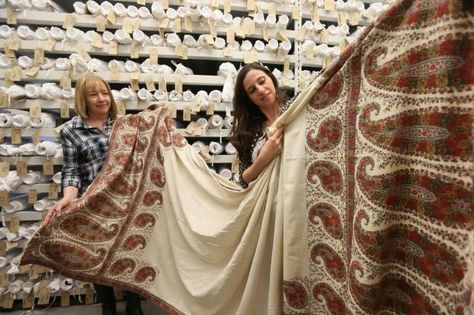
<point>225,172</point>
<point>144,13</point>
<point>27,286</point>
<point>230,149</point>
<point>272,45</point>
<point>97,65</point>
<point>127,94</point>
<point>216,121</point>
<point>284,48</point>
<point>48,148</point>
<point>106,7</point>
<point>118,64</point>
<point>203,123</point>
<point>16,91</point>
<point>228,122</point>
<point>35,177</point>
<point>41,205</point>
<point>57,33</point>
<point>6,119</point>
<point>157,10</point>
<point>259,45</point>
<point>171,13</point>
<point>271,21</point>
<point>189,41</point>
<point>172,39</point>
<point>79,65</point>
<point>132,11</point>
<point>120,9</point>
<point>206,13</point>
<point>165,70</point>
<point>27,149</point>
<point>6,31</point>
<point>62,64</point>
<point>216,148</point>
<point>259,19</point>
<point>6,62</point>
<point>74,34</point>
<point>227,19</point>
<point>246,45</point>
<point>93,7</point>
<point>25,62</point>
<point>8,149</point>
<point>42,33</point>
<point>160,95</point>
<point>57,177</point>
<point>55,285</point>
<point>147,67</point>
<point>51,91</point>
<point>25,32</point>
<point>219,43</point>
<point>123,37</point>
<point>228,71</point>
<point>46,120</point>
<point>215,96</point>
<point>144,95</point>
<point>3,232</point>
<point>139,37</point>
<point>107,37</point>
<point>67,284</point>
<point>48,64</point>
<point>156,40</point>
<point>217,15</point>
<point>197,146</point>
<point>188,96</point>
<point>15,286</point>
<point>283,21</point>
<point>175,96</point>
<point>12,237</point>
<point>16,205</point>
<point>132,66</point>
<point>11,182</point>
<point>21,121</point>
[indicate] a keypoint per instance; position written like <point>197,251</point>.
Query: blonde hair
<point>80,104</point>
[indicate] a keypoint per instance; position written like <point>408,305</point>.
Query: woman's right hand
<point>273,146</point>
<point>57,210</point>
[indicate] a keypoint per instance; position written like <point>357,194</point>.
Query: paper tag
<point>164,23</point>
<point>69,21</point>
<point>121,108</point>
<point>39,56</point>
<point>272,9</point>
<point>97,41</point>
<point>65,299</point>
<point>173,111</point>
<point>89,296</point>
<point>14,224</point>
<point>48,167</point>
<point>4,169</point>
<point>227,6</point>
<point>16,135</point>
<point>15,73</point>
<point>134,85</point>
<point>214,4</point>
<point>281,36</point>
<point>165,4</point>
<point>309,52</point>
<point>11,16</point>
<point>14,43</point>
<point>150,85</point>
<point>3,277</point>
<point>43,293</point>
<point>324,36</point>
<point>188,24</point>
<point>301,34</point>
<point>64,110</point>
<point>84,54</point>
<point>354,18</point>
<point>4,198</point>
<point>135,24</point>
<point>342,17</point>
<point>209,39</point>
<point>329,5</point>
<point>2,136</point>
<point>177,25</point>
<point>250,5</point>
<point>134,51</point>
<point>162,83</point>
<point>190,128</point>
<point>113,48</point>
<point>53,191</point>
<point>295,12</point>
<point>32,196</point>
<point>35,136</point>
<point>100,23</point>
<point>127,25</point>
<point>3,247</point>
<point>210,109</point>
<point>235,165</point>
<point>32,71</point>
<point>35,110</point>
<point>315,13</point>
<point>4,100</point>
<point>142,2</point>
<point>187,113</point>
<point>265,35</point>
<point>251,56</point>
<point>28,300</point>
<point>230,36</point>
<point>9,53</point>
<point>250,27</point>
<point>21,168</point>
<point>228,111</point>
<point>343,44</point>
<point>112,17</point>
<point>153,55</point>
<point>65,81</point>
<point>228,52</point>
<point>178,84</point>
<point>7,301</point>
<point>212,29</point>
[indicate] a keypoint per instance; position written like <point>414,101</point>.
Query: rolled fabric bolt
<point>93,7</point>
<point>156,40</point>
<point>32,90</point>
<point>47,148</point>
<point>225,172</point>
<point>6,31</point>
<point>308,25</point>
<point>11,182</point>
<point>181,12</point>
<point>272,45</point>
<point>51,91</point>
<point>13,270</point>
<point>16,205</point>
<point>42,33</point>
<point>189,41</point>
<point>3,262</point>
<point>90,35</point>
<point>132,66</point>
<point>132,11</point>
<point>79,7</point>
<point>57,33</point>
<point>284,47</point>
<point>277,73</point>
<point>197,146</point>
<point>139,37</point>
<point>144,95</point>
<point>123,37</point>
<point>227,19</point>
<point>45,120</point>
<point>216,122</point>
<point>271,21</point>
<point>118,64</point>
<point>229,72</point>
<point>47,64</point>
<point>62,64</point>
<point>217,15</point>
<point>193,10</point>
<point>74,34</point>
<point>146,66</point>
<point>206,13</point>
<point>228,122</point>
<point>234,46</point>
<point>144,13</point>
<point>157,10</point>
<point>21,121</point>
<point>201,94</point>
<point>219,43</point>
<point>67,284</point>
<point>15,286</point>
<point>165,70</point>
<point>202,41</point>
<point>3,232</point>
<point>41,205</point>
<point>57,178</point>
<point>246,45</point>
<point>7,149</point>
<point>318,26</point>
<point>106,7</point>
<point>160,95</point>
<point>55,285</point>
<point>188,96</point>
<point>126,94</point>
<point>120,9</point>
<point>27,286</point>
<point>19,5</point>
<point>25,32</point>
<point>259,19</point>
<point>203,123</point>
<point>97,65</point>
<point>215,96</point>
<point>34,177</point>
<point>6,62</point>
<point>25,62</point>
<point>176,96</point>
<point>230,149</point>
<point>172,39</point>
<point>216,148</point>
<point>27,149</point>
<point>283,21</point>
<point>171,13</point>
<point>259,45</point>
<point>28,233</point>
<point>107,37</point>
<point>5,119</point>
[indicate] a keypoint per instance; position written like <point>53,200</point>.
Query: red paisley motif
<point>122,265</point>
<point>128,139</point>
<point>85,229</point>
<point>334,303</point>
<point>120,186</point>
<point>329,175</point>
<point>65,255</point>
<point>329,94</point>
<point>418,192</point>
<point>147,122</point>
<point>142,145</point>
<point>144,220</point>
<point>420,132</point>
<point>152,197</point>
<point>179,141</point>
<point>329,217</point>
<point>134,241</point>
<point>328,137</point>
<point>332,261</point>
<point>164,136</point>
<point>157,177</point>
<point>145,274</point>
<point>101,205</point>
<point>296,294</point>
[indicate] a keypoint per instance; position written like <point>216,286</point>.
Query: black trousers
<point>106,296</point>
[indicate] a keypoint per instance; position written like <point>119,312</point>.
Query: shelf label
<point>230,36</point>
<point>100,22</point>
<point>16,135</point>
<point>250,5</point>
<point>315,13</point>
<point>154,55</point>
<point>112,17</point>
<point>150,85</point>
<point>188,24</point>
<point>53,191</point>
<point>178,84</point>
<point>21,168</point>
<point>14,224</point>
<point>113,48</point>
<point>97,41</point>
<point>11,16</point>
<point>165,4</point>
<point>187,113</point>
<point>48,167</point>
<point>32,196</point>
<point>177,25</point>
<point>35,109</point>
<point>28,300</point>
<point>69,21</point>
<point>39,55</point>
<point>134,51</point>
<point>35,136</point>
<point>4,169</point>
<point>329,5</point>
<point>64,110</point>
<point>173,111</point>
<point>214,4</point>
<point>227,6</point>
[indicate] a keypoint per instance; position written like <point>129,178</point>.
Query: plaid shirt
<point>84,150</point>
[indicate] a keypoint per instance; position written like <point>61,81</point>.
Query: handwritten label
<point>21,168</point>
<point>69,21</point>
<point>48,167</point>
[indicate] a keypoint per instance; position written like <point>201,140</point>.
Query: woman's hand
<point>272,147</point>
<point>70,194</point>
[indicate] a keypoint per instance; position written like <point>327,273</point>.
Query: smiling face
<point>97,98</point>
<point>260,88</point>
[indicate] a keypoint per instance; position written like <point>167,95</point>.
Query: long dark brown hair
<point>248,119</point>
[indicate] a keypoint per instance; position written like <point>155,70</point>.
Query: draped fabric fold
<point>367,210</point>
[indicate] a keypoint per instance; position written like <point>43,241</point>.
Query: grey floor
<point>94,309</point>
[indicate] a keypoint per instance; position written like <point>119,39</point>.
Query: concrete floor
<point>94,309</point>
